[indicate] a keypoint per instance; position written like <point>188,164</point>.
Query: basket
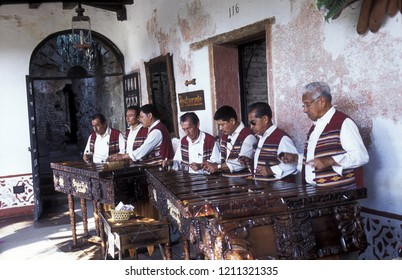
<point>121,215</point>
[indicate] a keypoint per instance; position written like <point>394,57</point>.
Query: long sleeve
<point>122,144</point>
<point>154,139</point>
<point>282,170</point>
<point>356,153</point>
<point>247,149</point>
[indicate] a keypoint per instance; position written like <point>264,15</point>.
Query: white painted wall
<point>365,72</point>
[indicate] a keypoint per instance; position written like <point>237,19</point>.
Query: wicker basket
<point>122,215</point>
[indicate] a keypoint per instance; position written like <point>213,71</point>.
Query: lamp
<point>77,49</point>
<point>81,30</point>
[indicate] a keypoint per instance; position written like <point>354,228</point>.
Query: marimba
<point>236,218</point>
<point>107,183</point>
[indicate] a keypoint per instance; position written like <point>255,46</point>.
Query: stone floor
<point>50,238</point>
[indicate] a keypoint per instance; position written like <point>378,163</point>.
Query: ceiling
<point>117,6</point>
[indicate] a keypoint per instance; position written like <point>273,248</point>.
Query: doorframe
<point>168,60</point>
<point>233,39</point>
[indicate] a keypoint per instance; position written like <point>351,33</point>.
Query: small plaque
<point>192,101</point>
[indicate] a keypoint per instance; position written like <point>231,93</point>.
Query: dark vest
<point>329,144</point>
<point>113,142</point>
<point>164,151</point>
<point>208,146</point>
<point>139,138</point>
<point>269,155</point>
<point>234,153</point>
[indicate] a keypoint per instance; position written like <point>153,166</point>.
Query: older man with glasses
<point>334,151</point>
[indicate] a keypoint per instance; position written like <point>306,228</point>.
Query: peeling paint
<point>194,23</point>
<point>12,18</point>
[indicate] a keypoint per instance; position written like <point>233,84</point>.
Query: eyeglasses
<point>253,122</point>
<point>307,105</point>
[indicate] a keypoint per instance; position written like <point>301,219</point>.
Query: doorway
<point>253,74</point>
<point>65,88</point>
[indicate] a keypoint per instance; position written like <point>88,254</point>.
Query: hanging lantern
<point>81,30</point>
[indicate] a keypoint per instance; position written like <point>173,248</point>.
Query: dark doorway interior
<point>160,93</point>
<point>56,121</point>
<point>253,74</point>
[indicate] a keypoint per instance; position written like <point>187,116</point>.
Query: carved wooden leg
<point>186,249</point>
<point>168,251</point>
<point>83,204</point>
<point>96,216</point>
<point>103,238</point>
<point>72,218</point>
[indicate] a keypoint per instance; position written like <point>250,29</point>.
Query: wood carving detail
<point>295,236</point>
<point>350,224</point>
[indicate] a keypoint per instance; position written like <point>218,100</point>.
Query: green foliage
<point>333,7</point>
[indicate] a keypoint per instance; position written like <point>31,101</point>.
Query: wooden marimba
<point>235,218</point>
<point>107,183</point>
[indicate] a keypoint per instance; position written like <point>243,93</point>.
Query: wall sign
<point>192,101</point>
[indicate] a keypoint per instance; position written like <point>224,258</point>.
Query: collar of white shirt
<point>153,125</point>
<point>137,127</point>
<point>107,132</point>
<point>267,132</point>
<point>201,137</point>
<point>236,133</point>
<point>325,119</point>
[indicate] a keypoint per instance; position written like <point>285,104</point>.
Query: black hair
<point>225,113</point>
<point>149,108</point>
<point>100,117</point>
<point>261,109</point>
<point>191,116</point>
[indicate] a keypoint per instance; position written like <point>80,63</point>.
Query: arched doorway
<point>65,87</point>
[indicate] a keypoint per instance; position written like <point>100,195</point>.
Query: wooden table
<point>236,218</point>
<point>107,183</point>
<point>137,232</point>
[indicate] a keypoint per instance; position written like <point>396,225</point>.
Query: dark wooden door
<point>34,148</point>
<point>162,90</point>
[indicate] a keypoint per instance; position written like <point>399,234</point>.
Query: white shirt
<point>247,149</point>
<point>356,153</point>
<point>101,146</point>
<point>153,141</point>
<point>131,138</point>
<point>195,153</point>
<point>286,145</point>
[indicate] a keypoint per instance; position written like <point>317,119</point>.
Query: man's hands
<point>322,163</point>
<point>211,167</point>
<point>118,157</point>
<point>318,164</point>
<point>288,158</point>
